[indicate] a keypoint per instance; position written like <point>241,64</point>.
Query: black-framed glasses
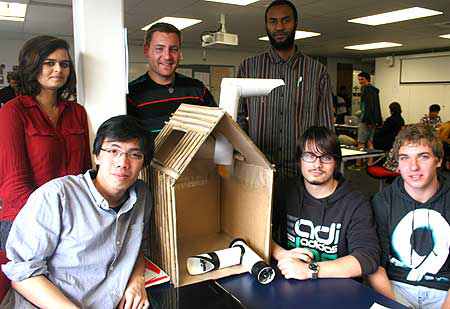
<point>311,157</point>
<point>116,153</point>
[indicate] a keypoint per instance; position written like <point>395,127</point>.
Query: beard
<point>320,181</point>
<point>288,43</point>
<point>316,182</point>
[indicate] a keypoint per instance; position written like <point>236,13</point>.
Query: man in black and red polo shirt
<point>154,96</point>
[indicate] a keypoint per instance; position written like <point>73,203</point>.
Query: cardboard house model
<point>195,209</point>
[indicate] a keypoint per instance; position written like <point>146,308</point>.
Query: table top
<point>243,291</point>
<point>349,126</point>
<point>322,293</point>
<point>353,151</point>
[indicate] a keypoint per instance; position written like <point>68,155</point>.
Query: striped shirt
<point>68,233</point>
<point>153,103</point>
<point>277,121</point>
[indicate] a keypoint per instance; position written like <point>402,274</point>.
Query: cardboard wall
<point>211,210</point>
<point>245,213</point>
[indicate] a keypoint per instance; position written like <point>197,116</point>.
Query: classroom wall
<point>332,63</point>
<point>214,56</point>
<point>232,57</point>
<point>9,50</point>
<point>414,98</point>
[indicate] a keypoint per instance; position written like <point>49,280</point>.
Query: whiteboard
<point>422,70</point>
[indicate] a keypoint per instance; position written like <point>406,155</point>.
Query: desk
<point>354,154</point>
<point>322,293</point>
<point>279,294</point>
<point>347,129</point>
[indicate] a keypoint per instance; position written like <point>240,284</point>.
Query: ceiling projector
<point>219,37</point>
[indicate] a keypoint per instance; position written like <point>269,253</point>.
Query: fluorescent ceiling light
<point>237,2</point>
<point>12,11</point>
<point>178,22</point>
<point>445,36</point>
<point>395,16</point>
<point>373,46</point>
<point>298,35</point>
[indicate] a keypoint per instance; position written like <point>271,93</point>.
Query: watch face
<point>313,266</point>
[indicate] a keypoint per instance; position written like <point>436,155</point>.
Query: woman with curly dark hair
<point>43,133</point>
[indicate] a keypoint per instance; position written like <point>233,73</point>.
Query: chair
<point>382,174</point>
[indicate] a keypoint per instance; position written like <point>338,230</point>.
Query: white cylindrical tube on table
<point>206,262</point>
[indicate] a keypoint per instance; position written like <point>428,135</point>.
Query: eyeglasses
<point>116,153</point>
<point>311,158</point>
<point>65,64</point>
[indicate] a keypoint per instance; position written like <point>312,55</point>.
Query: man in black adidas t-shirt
<point>326,229</point>
<point>154,96</point>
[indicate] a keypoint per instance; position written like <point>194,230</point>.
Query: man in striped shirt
<point>276,122</point>
<point>154,96</point>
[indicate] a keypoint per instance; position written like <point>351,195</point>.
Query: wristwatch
<point>314,268</point>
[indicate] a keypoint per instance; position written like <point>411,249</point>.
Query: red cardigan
<point>33,152</point>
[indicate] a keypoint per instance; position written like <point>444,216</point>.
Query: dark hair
<point>13,75</point>
<point>279,3</point>
<point>395,108</point>
<point>364,75</point>
<point>161,27</point>
<point>324,141</point>
<point>419,134</point>
<point>31,57</point>
<point>434,108</point>
<point>123,128</point>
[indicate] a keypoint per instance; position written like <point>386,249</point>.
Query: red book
<point>153,274</point>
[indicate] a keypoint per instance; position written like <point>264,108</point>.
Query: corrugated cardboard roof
<point>193,124</point>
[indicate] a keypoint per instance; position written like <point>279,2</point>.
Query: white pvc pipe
<point>231,89</point>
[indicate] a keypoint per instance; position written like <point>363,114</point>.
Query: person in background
<point>9,92</point>
<point>154,96</point>
<point>433,119</point>
<point>340,108</point>
<point>80,241</point>
<point>413,223</point>
<point>276,122</point>
<point>344,93</point>
<point>444,135</point>
<point>385,136</point>
<point>370,111</point>
<point>327,229</point>
<point>43,135</point>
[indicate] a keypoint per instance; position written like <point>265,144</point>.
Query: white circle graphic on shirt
<point>420,265</point>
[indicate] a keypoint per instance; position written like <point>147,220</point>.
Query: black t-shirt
<point>333,227</point>
<point>154,103</point>
<point>414,236</point>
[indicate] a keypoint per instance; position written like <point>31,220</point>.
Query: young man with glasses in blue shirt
<point>326,230</point>
<point>79,241</point>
